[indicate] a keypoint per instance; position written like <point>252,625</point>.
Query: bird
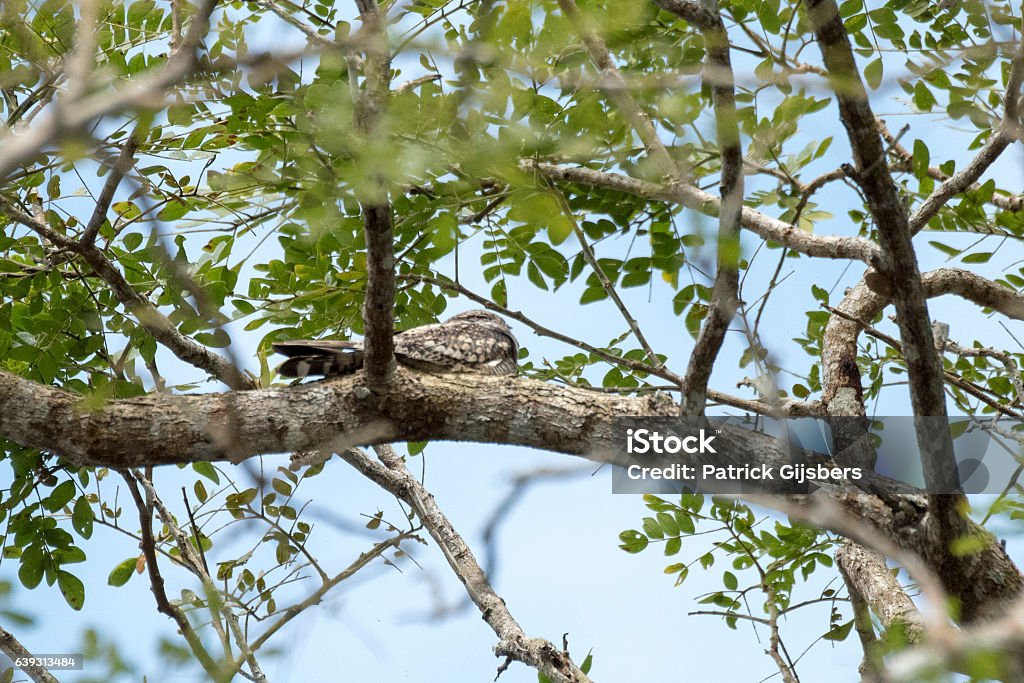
<point>475,341</point>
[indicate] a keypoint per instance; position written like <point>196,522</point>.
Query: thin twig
<point>606,284</point>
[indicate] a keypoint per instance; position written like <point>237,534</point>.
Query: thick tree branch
<point>975,288</point>
<point>865,627</point>
<point>344,412</point>
<point>378,222</point>
<point>899,265</point>
<point>724,292</point>
<point>165,429</point>
<point>866,571</point>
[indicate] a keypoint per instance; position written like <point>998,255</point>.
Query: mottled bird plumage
<point>475,341</point>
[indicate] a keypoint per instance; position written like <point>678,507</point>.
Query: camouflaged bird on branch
<point>475,341</point>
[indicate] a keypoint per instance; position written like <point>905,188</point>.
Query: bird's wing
<point>458,346</point>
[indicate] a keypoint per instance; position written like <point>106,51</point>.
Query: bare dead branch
<point>194,562</point>
<point>156,579</point>
<point>606,284</point>
<point>317,596</point>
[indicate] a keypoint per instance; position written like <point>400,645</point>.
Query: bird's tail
<point>327,358</point>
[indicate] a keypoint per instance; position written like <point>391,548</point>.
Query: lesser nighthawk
<point>475,341</point>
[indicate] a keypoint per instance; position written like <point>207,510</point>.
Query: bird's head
<point>479,317</point>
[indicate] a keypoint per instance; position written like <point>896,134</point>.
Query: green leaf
<point>633,541</point>
<point>979,257</point>
<point>82,517</point>
<point>958,428</point>
<point>921,159</point>
<point>652,528</point>
<point>499,293</point>
<point>33,565</point>
<point>174,210</point>
<point>207,470</point>
<point>61,496</point>
<point>588,662</point>
<point>839,632</point>
<point>243,498</point>
<point>122,572</point>
<point>592,294</point>
<point>667,523</point>
<point>684,522</point>
<point>924,100</point>
<point>126,210</point>
<point>72,588</point>
<point>132,241</point>
<point>945,249</point>
<point>873,73</point>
